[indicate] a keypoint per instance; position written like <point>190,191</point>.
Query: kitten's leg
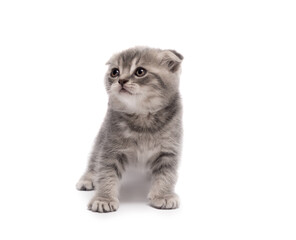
<point>107,185</point>
<point>164,177</point>
<point>85,183</point>
<point>87,179</point>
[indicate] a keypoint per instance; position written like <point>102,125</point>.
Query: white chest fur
<point>145,147</point>
<point>145,154</point>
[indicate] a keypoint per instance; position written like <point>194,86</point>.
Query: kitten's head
<point>142,80</point>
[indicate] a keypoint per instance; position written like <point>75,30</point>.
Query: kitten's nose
<point>122,81</point>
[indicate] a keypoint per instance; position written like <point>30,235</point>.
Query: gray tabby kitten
<point>142,127</point>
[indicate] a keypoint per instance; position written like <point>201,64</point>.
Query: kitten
<point>142,126</point>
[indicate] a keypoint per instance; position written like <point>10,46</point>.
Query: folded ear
<point>172,59</point>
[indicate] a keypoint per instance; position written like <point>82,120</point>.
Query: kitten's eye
<point>140,72</point>
<point>114,72</point>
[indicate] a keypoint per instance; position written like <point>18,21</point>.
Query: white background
<point>237,177</point>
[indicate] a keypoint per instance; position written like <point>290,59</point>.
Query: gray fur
<point>142,127</point>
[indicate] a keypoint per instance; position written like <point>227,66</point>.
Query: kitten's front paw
<point>170,201</point>
<point>85,185</point>
<point>102,205</point>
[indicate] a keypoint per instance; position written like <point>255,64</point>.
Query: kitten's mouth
<point>124,91</point>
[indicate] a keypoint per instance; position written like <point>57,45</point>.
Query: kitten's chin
<point>124,91</point>
<point>125,102</point>
<point>132,104</point>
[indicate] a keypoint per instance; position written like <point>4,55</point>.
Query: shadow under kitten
<point>134,187</point>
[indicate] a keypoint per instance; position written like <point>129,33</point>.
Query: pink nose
<point>122,81</point>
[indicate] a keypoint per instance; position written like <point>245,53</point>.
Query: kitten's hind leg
<point>85,183</point>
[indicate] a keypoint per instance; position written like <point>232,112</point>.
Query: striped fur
<point>143,125</point>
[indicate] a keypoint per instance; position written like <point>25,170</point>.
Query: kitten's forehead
<point>133,57</point>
